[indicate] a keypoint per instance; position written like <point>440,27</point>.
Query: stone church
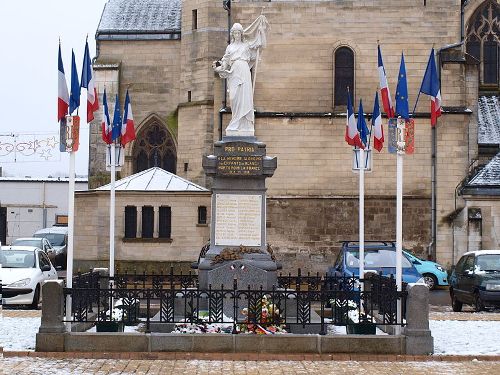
<point>162,52</point>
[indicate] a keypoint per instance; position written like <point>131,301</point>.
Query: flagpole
<point>71,221</point>
<point>112,216</point>
<point>361,217</point>
<point>399,214</point>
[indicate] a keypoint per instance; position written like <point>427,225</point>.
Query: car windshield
<point>55,239</point>
<point>17,258</point>
<point>488,262</point>
<point>36,243</point>
<point>375,258</point>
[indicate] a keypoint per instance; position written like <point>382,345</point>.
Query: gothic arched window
<point>483,42</point>
<point>343,74</point>
<point>154,147</point>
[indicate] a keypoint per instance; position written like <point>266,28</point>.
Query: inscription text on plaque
<point>238,220</point>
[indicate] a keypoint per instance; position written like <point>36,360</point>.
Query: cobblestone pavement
<point>18,313</point>
<point>20,365</point>
<point>468,313</point>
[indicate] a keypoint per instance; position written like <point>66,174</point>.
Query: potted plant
<point>112,321</point>
<point>358,326</point>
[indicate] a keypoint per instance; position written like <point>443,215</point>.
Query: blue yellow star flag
<point>402,92</point>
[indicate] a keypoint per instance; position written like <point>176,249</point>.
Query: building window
<point>148,221</point>
<point>195,19</point>
<point>483,43</point>
<point>154,147</point>
<point>343,74</point>
<point>130,222</point>
<point>202,215</point>
<point>165,227</point>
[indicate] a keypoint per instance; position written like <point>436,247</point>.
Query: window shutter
<point>147,222</point>
<point>202,215</point>
<point>165,222</point>
<point>130,222</point>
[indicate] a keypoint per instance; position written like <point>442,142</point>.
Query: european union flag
<point>117,121</point>
<point>402,92</point>
<point>364,133</point>
<point>74,97</point>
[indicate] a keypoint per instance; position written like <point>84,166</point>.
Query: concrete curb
<point>251,356</point>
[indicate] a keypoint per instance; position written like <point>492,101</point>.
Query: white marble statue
<point>241,55</point>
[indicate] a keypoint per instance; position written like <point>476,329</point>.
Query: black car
<point>476,280</point>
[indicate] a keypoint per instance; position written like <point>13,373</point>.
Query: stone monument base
<point>257,272</point>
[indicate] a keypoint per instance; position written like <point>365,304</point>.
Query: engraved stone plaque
<point>240,159</point>
<point>238,220</point>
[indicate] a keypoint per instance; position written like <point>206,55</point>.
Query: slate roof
<point>489,120</point>
<point>140,19</point>
<point>489,175</point>
<point>154,179</point>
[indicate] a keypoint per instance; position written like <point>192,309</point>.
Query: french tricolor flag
<point>430,86</point>
<point>351,130</point>
<point>63,94</point>
<point>378,131</point>
<point>105,124</point>
<point>384,87</point>
<point>89,84</point>
<point>128,129</point>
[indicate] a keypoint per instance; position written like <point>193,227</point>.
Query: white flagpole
<point>399,212</point>
<point>112,214</point>
<point>361,216</point>
<point>71,222</point>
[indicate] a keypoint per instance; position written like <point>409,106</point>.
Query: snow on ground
<point>450,337</point>
<point>465,337</point>
<point>18,333</point>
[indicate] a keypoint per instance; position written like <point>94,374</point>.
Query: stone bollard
<point>418,335</point>
<point>50,336</point>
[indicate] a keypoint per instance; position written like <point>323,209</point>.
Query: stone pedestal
<point>418,335</point>
<point>238,247</point>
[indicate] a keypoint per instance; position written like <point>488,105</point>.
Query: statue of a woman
<point>241,55</point>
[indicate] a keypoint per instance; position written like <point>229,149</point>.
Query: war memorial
<point>238,301</point>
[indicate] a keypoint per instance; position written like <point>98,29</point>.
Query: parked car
<point>40,242</point>
<point>476,280</point>
<point>380,257</point>
<point>433,273</point>
<point>24,269</point>
<point>58,238</point>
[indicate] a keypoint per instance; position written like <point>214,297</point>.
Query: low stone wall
<point>222,343</point>
<point>53,336</point>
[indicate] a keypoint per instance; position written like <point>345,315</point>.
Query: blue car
<point>433,273</point>
<point>380,257</point>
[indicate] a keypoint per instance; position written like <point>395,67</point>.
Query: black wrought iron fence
<point>296,301</point>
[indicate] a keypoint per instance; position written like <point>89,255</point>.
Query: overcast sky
<point>29,34</point>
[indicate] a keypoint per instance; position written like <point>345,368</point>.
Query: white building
<point>28,204</point>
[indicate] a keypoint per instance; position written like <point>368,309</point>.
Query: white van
<point>58,238</point>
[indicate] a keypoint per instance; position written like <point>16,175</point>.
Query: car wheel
<point>478,302</point>
<point>456,305</point>
<point>430,281</point>
<point>36,298</point>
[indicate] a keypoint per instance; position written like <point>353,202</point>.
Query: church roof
<point>487,181</point>
<point>140,19</point>
<point>154,179</point>
<point>489,175</point>
<point>488,120</point>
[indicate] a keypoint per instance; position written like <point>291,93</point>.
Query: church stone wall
<point>150,70</point>
<point>200,46</point>
<point>296,73</point>
<point>305,232</point>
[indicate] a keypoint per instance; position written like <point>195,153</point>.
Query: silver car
<point>40,242</point>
